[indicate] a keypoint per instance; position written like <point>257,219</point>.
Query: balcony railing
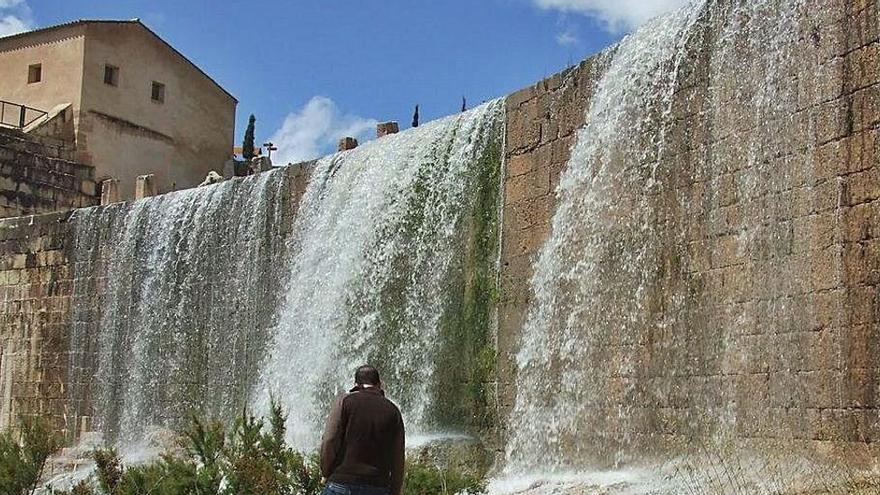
<point>18,116</point>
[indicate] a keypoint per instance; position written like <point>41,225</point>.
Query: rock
<point>211,178</point>
<point>457,452</point>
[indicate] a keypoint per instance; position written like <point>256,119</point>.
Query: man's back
<point>364,441</point>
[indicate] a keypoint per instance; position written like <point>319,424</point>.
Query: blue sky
<point>311,70</point>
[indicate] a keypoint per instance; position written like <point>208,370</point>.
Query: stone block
<point>386,128</point>
<point>865,112</point>
<point>516,274</point>
<point>861,262</point>
<point>109,191</point>
<point>145,187</point>
<point>527,186</point>
<point>524,242</point>
<point>826,268</point>
<point>861,222</point>
<point>528,213</point>
<point>347,143</point>
<point>833,119</point>
<point>862,187</point>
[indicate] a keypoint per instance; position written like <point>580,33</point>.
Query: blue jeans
<point>340,489</point>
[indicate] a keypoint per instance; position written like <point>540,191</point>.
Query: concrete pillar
<point>385,128</point>
<point>109,191</point>
<point>145,186</point>
<point>347,143</point>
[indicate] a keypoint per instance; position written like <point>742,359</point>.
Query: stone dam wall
<point>768,225</point>
<point>768,250</point>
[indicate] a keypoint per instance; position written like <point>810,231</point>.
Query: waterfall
<point>632,341</point>
<point>173,299</point>
<point>212,299</point>
<point>390,245</point>
<point>592,275</point>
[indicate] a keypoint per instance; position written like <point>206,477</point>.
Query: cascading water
<point>173,299</point>
<point>591,275</point>
<point>394,251</point>
<point>180,303</point>
<point>626,352</point>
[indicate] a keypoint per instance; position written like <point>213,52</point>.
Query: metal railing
<point>18,116</point>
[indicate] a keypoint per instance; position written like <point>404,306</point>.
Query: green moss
<point>388,294</point>
<point>468,356</point>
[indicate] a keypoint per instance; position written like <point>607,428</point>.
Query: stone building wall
<point>36,176</point>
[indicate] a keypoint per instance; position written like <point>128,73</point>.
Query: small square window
<point>158,93</point>
<point>35,73</point>
<point>111,75</point>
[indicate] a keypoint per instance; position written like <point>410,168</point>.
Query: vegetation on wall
<point>468,353</point>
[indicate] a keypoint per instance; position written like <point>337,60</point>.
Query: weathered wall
<point>542,121</point>
<point>778,250</point>
<point>119,129</point>
<point>36,287</point>
<point>45,297</point>
<point>769,222</point>
<point>124,133</point>
<point>60,52</point>
<point>36,176</point>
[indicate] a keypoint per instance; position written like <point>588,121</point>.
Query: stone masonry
<point>779,255</point>
<point>36,315</point>
<point>35,294</point>
<point>778,252</point>
<point>36,176</point>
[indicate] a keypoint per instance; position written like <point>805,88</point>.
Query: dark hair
<point>366,375</point>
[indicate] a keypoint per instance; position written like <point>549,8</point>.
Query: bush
<point>23,457</point>
<point>429,480</point>
<point>252,458</point>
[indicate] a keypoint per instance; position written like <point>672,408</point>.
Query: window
<point>111,75</point>
<point>158,94</point>
<point>35,73</point>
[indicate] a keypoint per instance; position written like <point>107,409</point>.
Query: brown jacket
<point>363,441</point>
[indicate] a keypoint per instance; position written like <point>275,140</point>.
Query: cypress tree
<point>247,146</point>
<point>415,122</point>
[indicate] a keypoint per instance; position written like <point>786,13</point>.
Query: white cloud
<point>15,17</point>
<point>566,38</point>
<point>315,129</point>
<point>10,24</point>
<point>617,15</point>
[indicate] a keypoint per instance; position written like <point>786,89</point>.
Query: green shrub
<point>252,458</point>
<point>430,480</point>
<point>23,457</point>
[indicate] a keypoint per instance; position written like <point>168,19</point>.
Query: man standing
<point>362,451</point>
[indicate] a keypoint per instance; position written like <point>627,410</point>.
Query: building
<point>129,102</point>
